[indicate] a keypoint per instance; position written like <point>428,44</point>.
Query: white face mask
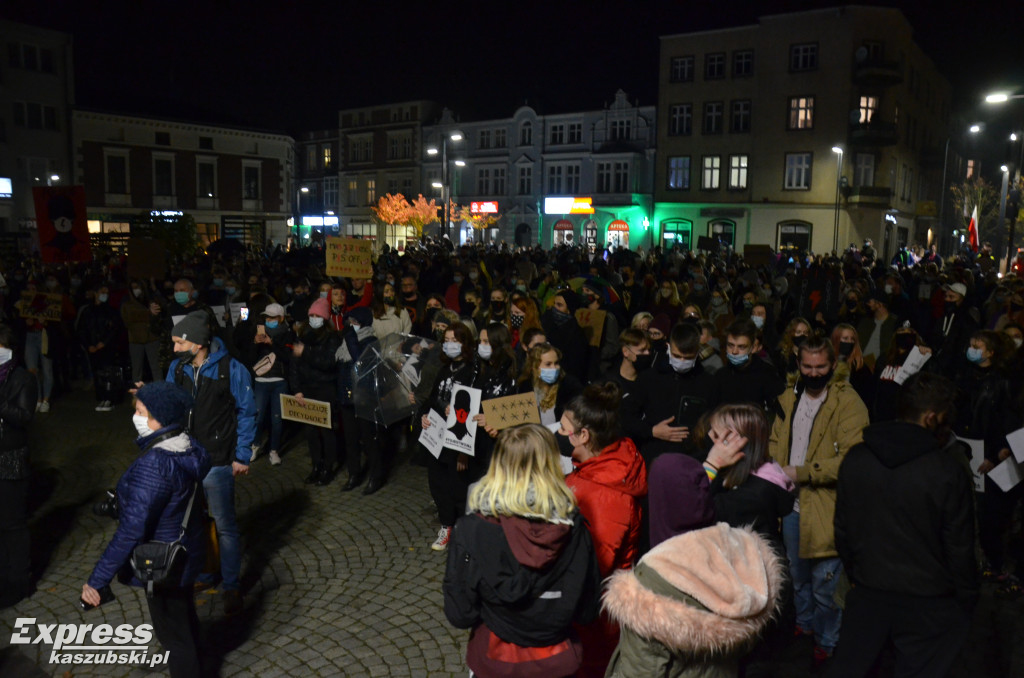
<point>316,322</point>
<point>485,351</point>
<point>681,365</point>
<point>5,355</point>
<point>141,424</point>
<point>452,349</point>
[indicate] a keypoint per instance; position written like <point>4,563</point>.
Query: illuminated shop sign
<point>568,206</point>
<point>488,207</point>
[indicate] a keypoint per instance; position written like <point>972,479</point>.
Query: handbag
<point>159,564</point>
<point>264,364</point>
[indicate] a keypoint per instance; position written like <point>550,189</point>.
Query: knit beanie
<point>167,403</point>
<point>194,328</point>
<point>361,315</point>
<point>662,323</point>
<point>572,300</point>
<point>320,307</point>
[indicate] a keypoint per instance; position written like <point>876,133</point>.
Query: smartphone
<point>106,595</point>
<point>261,329</point>
<point>690,409</point>
<point>243,313</point>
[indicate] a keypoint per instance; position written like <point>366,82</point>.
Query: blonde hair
<point>531,374</point>
<point>525,478</point>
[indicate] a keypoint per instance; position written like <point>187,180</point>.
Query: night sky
<point>289,66</point>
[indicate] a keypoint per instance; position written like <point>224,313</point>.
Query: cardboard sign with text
<point>40,306</point>
<point>592,323</point>
<point>349,258</point>
<point>511,411</point>
<point>315,412</point>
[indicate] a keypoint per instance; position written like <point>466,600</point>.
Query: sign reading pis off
<point>349,258</point>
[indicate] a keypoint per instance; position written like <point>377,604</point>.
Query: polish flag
<point>972,230</point>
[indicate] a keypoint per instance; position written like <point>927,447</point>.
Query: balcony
<point>873,133</point>
<point>877,73</point>
<point>869,196</point>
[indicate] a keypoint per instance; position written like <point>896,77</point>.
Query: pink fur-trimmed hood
<point>732,572</point>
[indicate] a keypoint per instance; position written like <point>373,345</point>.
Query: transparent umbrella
<point>387,373</point>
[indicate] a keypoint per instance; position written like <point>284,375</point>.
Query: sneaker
<point>444,535</point>
<point>44,406</point>
<point>232,602</point>
<point>275,458</point>
<point>821,655</point>
<point>38,405</point>
<point>105,406</point>
<point>255,452</point>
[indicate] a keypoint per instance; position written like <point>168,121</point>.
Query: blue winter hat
<point>167,403</point>
<point>362,315</point>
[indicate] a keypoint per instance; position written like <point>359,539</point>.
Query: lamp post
<point>838,150</point>
<point>298,207</point>
<point>445,185</point>
<point>973,129</point>
<point>1002,212</point>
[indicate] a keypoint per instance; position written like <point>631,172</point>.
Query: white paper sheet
<point>175,319</point>
<point>1006,475</point>
<point>219,312</point>
<point>1016,440</point>
<point>432,437</point>
<point>912,365</point>
<point>236,311</point>
<point>977,456</point>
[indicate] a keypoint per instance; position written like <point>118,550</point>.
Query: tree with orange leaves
<point>391,210</point>
<point>479,221</point>
<point>420,213</point>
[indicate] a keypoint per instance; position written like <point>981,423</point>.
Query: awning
<point>563,225</point>
<point>618,225</point>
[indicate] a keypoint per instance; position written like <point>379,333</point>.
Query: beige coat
<point>838,427</point>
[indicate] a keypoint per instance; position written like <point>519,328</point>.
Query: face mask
<point>846,348</point>
<point>184,356</point>
<point>271,324</point>
<point>230,290</point>
<point>136,292</point>
<point>391,281</point>
<point>717,301</point>
<point>1017,341</point>
<point>323,295</point>
<point>103,298</point>
<point>681,365</point>
<point>316,322</point>
<point>559,317</point>
<point>975,355</point>
<point>288,290</point>
<point>473,275</point>
<point>498,307</point>
<point>141,424</point>
<point>485,351</point>
<point>521,288</point>
<point>888,289</point>
<point>737,360</point>
<point>642,361</point>
<point>469,309</point>
<point>697,287</point>
<point>748,304</point>
<point>409,295</point>
<point>851,304</point>
<point>799,340</point>
<point>181,297</point>
<point>666,293</point>
<point>195,294</point>
<point>452,349</point>
<point>758,321</point>
<point>354,326</point>
<point>5,355</point>
<point>549,375</point>
<point>457,279</point>
<point>816,383</point>
<point>389,300</point>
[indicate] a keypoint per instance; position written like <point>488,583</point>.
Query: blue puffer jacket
<point>153,495</point>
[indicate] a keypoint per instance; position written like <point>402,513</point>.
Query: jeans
<point>15,565</point>
<point>267,394</point>
<point>34,357</point>
<point>151,352</point>
<point>219,486</point>
<point>814,587</point>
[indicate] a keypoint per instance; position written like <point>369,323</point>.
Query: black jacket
<point>100,323</point>
<point>757,503</point>
<point>314,374</point>
<point>985,408</point>
<point>756,382</point>
<point>18,395</point>
<point>570,340</point>
<point>485,581</point>
<point>904,518</point>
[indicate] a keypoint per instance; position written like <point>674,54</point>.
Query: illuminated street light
<point>997,98</point>
<point>460,163</point>
<point>974,129</point>
<point>838,150</point>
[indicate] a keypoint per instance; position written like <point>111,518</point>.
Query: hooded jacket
<point>680,498</point>
<point>905,514</point>
<point>153,495</point>
<point>692,604</point>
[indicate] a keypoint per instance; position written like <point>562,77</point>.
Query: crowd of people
<point>695,414</point>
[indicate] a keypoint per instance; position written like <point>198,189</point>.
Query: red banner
<point>63,228</point>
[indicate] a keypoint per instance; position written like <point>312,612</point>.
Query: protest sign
<point>349,258</point>
<point>511,411</point>
<point>461,433</point>
<point>61,224</point>
<point>40,306</point>
<point>432,436</point>
<point>315,412</point>
<point>592,323</point>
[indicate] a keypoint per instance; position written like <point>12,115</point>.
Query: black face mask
<point>816,383</point>
<point>184,356</point>
<point>558,317</point>
<point>799,340</point>
<point>851,304</point>
<point>846,348</point>
<point>950,307</point>
<point>468,309</point>
<point>659,346</point>
<point>409,295</point>
<point>497,307</point>
<point>643,362</point>
<point>906,341</point>
<point>517,321</point>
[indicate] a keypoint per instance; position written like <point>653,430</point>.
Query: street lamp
<point>973,129</point>
<point>838,150</point>
<point>298,206</point>
<point>454,136</point>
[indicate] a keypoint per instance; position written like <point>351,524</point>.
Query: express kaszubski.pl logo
<point>91,643</point>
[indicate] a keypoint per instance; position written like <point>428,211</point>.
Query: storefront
<point>618,234</point>
<point>590,234</point>
<point>677,232</point>
<point>564,232</point>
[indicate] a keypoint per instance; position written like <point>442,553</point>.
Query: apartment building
<point>316,194</point>
<point>767,131</point>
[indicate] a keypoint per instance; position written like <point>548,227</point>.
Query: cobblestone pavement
<point>336,584</point>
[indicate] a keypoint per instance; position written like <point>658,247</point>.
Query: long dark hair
<point>464,337</point>
<point>378,306</point>
<point>502,355</point>
<point>597,410</point>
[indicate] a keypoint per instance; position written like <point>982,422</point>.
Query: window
<point>794,235</point>
<point>310,158</point>
<point>163,176</point>
<point>30,57</point>
<point>803,57</point>
<point>19,114</point>
<point>525,180</point>
<point>526,134</point>
<point>741,116</point>
<point>251,182</point>
<point>557,134</point>
<point>864,169</point>
<point>484,139</point>
<point>393,148</point>
<point>798,172</point>
<point>406,185</point>
<point>906,190</point>
<point>679,173</point>
<point>604,177</point>
<point>575,132</point>
<point>970,169</point>
<point>555,173</point>
<point>330,193</point>
<point>681,69</point>
<point>868,108</point>
<point>621,130</point>
<point>680,119</point>
<point>713,117</point>
<point>714,66</point>
<point>738,171</point>
<point>117,173</point>
<point>353,193</point>
<point>724,231</point>
<point>801,112</point>
<point>46,61</point>
<point>743,63</point>
<point>392,185</point>
<point>163,139</point>
<point>621,177</point>
<point>206,179</point>
<point>711,175</point>
<point>206,143</point>
<point>49,118</point>
<point>483,181</point>
<point>499,181</point>
<point>407,147</point>
<point>326,154</point>
<point>876,50</point>
<point>35,116</point>
<point>572,179</point>
<point>676,232</point>
<point>500,138</point>
<point>371,191</point>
